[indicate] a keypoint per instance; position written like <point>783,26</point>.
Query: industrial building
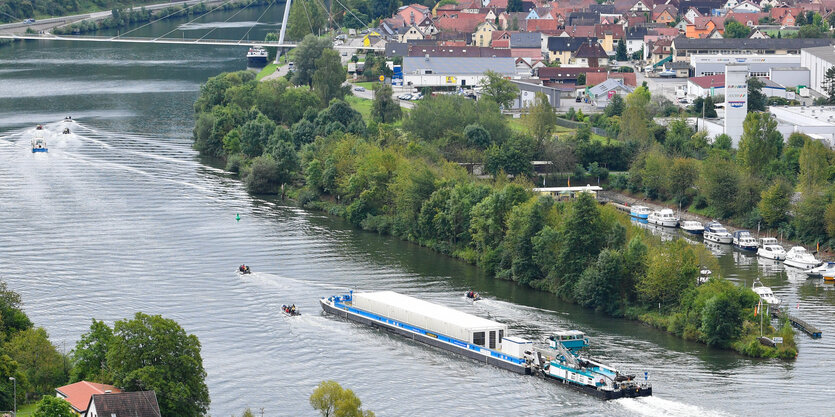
<point>685,48</point>
<point>817,122</point>
<point>818,61</point>
<point>527,94</point>
<point>736,99</point>
<point>453,71</point>
<point>758,65</point>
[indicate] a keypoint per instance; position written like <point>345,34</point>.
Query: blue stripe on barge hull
<point>498,359</point>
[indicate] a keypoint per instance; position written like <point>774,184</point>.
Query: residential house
<point>560,49</point>
<point>683,48</point>
<point>705,7</point>
<point>691,15</point>
<point>730,4</point>
<point>564,75</point>
<point>601,93</point>
<point>427,26</point>
<point>659,50</point>
<point>511,20</point>
<point>758,34</point>
<point>483,33</point>
<point>541,25</point>
<point>627,78</point>
<point>703,26</point>
<point>635,39</point>
<point>408,33</point>
<point>526,44</point>
<point>583,18</point>
<point>413,13</point>
<point>639,6</point>
<point>462,22</point>
<point>79,393</point>
<point>127,404</point>
<point>590,54</point>
<point>453,71</point>
<point>500,39</point>
<point>746,7</point>
<point>751,19</point>
<point>608,36</point>
<point>785,16</point>
<point>664,13</point>
<point>681,26</point>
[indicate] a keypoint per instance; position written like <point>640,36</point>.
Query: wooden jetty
<point>799,324</point>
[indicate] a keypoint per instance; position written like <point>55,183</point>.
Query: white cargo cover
<point>516,346</point>
<point>429,316</point>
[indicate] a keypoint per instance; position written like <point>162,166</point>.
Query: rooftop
<point>127,404</point>
<point>426,309</point>
<point>78,394</point>
<point>459,66</point>
<point>709,81</point>
<point>826,53</point>
<point>762,44</point>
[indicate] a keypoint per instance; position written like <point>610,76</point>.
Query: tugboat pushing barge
<point>486,341</point>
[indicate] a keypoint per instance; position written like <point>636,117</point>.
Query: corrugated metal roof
<point>730,43</point>
<point>459,66</point>
<point>607,85</point>
<point>431,310</point>
<point>526,40</point>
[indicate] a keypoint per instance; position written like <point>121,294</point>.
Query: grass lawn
<point>25,410</point>
<point>361,105</point>
<point>269,69</point>
<point>369,85</point>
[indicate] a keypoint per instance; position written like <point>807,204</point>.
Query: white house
<point>746,7</point>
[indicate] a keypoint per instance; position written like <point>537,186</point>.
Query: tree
<point>477,136</point>
<point>511,157</point>
<point>671,269</point>
<point>306,19</point>
<point>44,366</point>
<point>721,320</point>
<point>331,400</point>
<point>811,31</point>
<point>541,119</point>
<point>581,240</point>
<point>155,353</point>
<point>761,142</point>
<point>756,98</point>
<point>634,123</point>
<point>385,109</point>
<point>255,134</point>
<point>52,406</point>
<point>581,79</point>
<point>814,163</point>
<point>620,55</point>
<point>774,203</point>
<point>271,50</point>
<point>308,51</point>
<point>829,84</point>
<point>495,87</point>
<point>809,217</point>
<point>329,76</point>
<point>12,317</point>
<point>90,354</point>
<point>615,106</point>
<point>829,219</point>
<point>599,285</point>
<point>10,368</point>
<point>682,176</point>
<point>514,6</point>
<point>734,29</point>
<point>677,141</point>
<point>719,183</point>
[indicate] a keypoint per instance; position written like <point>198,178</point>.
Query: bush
<point>235,163</point>
<point>263,176</point>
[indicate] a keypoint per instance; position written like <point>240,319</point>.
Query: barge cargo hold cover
<point>433,317</point>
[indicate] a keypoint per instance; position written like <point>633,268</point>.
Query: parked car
<point>29,21</point>
<point>578,99</point>
<point>417,96</point>
<point>359,88</point>
<point>405,97</point>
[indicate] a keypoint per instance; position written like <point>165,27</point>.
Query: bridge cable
<point>308,17</point>
<point>228,19</point>
<point>352,14</point>
<point>330,16</point>
<point>192,20</point>
<point>161,18</point>
<point>13,17</point>
<point>258,20</point>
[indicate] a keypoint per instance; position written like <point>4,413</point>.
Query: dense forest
<point>392,174</point>
<point>16,10</point>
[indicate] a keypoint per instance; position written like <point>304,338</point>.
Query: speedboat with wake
<point>66,131</point>
<point>290,310</point>
<point>799,257</point>
<point>472,295</point>
<point>38,142</point>
<point>68,119</point>
<point>244,269</point>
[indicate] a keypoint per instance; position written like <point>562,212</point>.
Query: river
<point>122,216</point>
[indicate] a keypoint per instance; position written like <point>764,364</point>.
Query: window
<point>492,339</point>
<point>501,335</point>
<point>478,338</point>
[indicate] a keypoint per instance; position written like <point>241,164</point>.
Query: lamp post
<point>15,394</point>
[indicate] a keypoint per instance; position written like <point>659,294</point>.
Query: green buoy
<point>237,217</point>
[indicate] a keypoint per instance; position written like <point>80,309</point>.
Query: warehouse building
<point>818,61</point>
<point>453,71</point>
<point>758,65</point>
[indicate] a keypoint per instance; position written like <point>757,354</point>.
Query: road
<point>51,23</point>
<point>368,94</point>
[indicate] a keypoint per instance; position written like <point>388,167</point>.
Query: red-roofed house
<point>462,22</point>
<point>706,86</point>
<point>747,19</point>
<point>703,26</point>
<point>628,78</point>
<point>79,393</point>
<point>541,25</point>
<point>664,13</point>
<point>564,75</point>
<point>413,14</point>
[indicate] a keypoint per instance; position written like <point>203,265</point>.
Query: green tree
<point>52,406</point>
<point>677,141</point>
<point>488,223</point>
<point>514,6</point>
<point>477,136</point>
<point>306,19</point>
<point>682,176</point>
<point>756,98</point>
<point>704,106</point>
<point>495,87</point>
<point>331,400</point>
<point>541,119</point>
<point>581,240</point>
<point>308,51</point>
<point>809,217</point>
<point>721,320</point>
<point>437,118</point>
<point>271,50</point>
<point>90,354</point>
<point>12,317</point>
<point>719,183</point>
<point>734,29</point>
<point>634,123</point>
<point>232,142</point>
<point>155,353</point>
<point>671,269</point>
<point>581,79</point>
<point>10,368</point>
<point>829,85</point>
<point>523,223</point>
<point>599,285</point>
<point>385,109</point>
<point>620,55</point>
<point>615,106</point>
<point>511,157</point>
<point>814,163</point>
<point>44,366</point>
<point>774,203</point>
<point>829,219</point>
<point>255,134</point>
<point>811,31</point>
<point>329,76</point>
<point>761,142</point>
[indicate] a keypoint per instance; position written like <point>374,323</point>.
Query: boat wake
<point>654,406</point>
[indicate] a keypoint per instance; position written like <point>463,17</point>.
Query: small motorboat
<point>244,269</point>
<point>693,227</point>
<point>715,232</point>
<point>39,145</point>
<point>66,131</point>
<point>772,251</point>
<point>825,270</point>
<point>68,119</point>
<point>290,310</point>
<point>663,217</point>
<point>765,293</point>
<point>473,295</point>
<point>799,257</point>
<point>743,240</point>
<point>639,212</point>
<point>38,127</point>
<point>704,276</point>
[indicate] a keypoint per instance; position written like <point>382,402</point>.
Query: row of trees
<point>16,10</point>
<point>143,353</point>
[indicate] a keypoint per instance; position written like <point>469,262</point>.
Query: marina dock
<point>807,328</point>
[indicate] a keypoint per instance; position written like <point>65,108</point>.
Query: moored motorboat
<point>256,57</point>
<point>639,212</point>
<point>715,232</point>
<point>692,227</point>
<point>743,240</point>
<point>486,341</point>
<point>772,251</point>
<point>765,293</point>
<point>827,269</point>
<point>799,257</point>
<point>663,217</point>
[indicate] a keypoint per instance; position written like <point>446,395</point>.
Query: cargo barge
<point>485,341</point>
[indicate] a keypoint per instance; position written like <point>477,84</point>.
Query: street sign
<point>382,78</point>
<point>778,340</point>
